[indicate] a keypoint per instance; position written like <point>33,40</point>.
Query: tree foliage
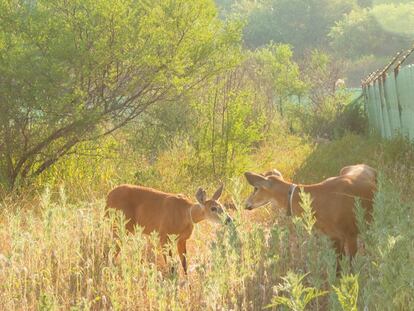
<point>301,23</point>
<point>381,30</point>
<point>366,33</point>
<point>228,124</point>
<point>228,116</point>
<point>279,75</point>
<point>76,70</point>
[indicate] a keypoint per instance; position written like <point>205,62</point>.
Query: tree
<point>279,75</point>
<point>228,124</point>
<point>73,71</point>
<point>321,71</point>
<point>370,37</point>
<point>381,31</point>
<point>304,24</point>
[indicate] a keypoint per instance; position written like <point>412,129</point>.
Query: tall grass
<point>63,258</point>
<point>59,252</point>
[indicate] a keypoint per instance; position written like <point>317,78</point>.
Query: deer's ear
<point>218,193</point>
<point>256,180</point>
<point>277,173</point>
<point>201,196</point>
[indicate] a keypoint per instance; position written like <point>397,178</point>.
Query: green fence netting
<point>389,102</point>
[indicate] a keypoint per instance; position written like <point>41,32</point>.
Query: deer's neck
<point>197,213</point>
<point>281,197</point>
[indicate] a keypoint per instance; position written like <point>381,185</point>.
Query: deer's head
<point>264,188</point>
<point>212,208</point>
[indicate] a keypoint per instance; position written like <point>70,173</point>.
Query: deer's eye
<point>214,209</point>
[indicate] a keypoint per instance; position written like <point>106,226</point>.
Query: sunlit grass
<point>57,251</point>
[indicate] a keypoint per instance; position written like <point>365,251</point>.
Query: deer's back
<point>334,201</point>
<point>151,209</point>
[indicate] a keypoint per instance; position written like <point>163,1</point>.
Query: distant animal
<point>333,201</point>
<point>166,213</point>
<point>340,84</point>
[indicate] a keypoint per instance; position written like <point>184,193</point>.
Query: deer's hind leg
<point>163,243</point>
<point>351,246</point>
<point>339,249</point>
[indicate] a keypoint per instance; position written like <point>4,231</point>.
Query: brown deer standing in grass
<point>165,213</point>
<point>333,201</point>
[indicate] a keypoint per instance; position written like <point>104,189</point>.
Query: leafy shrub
<point>331,119</point>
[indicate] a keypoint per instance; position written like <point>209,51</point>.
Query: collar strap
<point>191,215</point>
<point>291,192</point>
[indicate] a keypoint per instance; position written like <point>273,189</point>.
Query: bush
<point>331,119</point>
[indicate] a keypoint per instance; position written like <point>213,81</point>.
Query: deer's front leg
<point>182,252</point>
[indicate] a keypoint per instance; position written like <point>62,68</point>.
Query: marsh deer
<point>333,200</point>
<point>165,213</point>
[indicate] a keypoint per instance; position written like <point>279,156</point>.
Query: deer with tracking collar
<point>333,201</point>
<point>165,213</point>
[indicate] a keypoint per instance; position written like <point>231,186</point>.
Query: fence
<point>389,98</point>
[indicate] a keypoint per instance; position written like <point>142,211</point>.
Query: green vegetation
<point>180,94</point>
<point>348,292</point>
<point>364,34</point>
<point>230,267</point>
<point>76,71</point>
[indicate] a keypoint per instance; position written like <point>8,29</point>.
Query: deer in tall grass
<point>333,201</point>
<point>166,213</point>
